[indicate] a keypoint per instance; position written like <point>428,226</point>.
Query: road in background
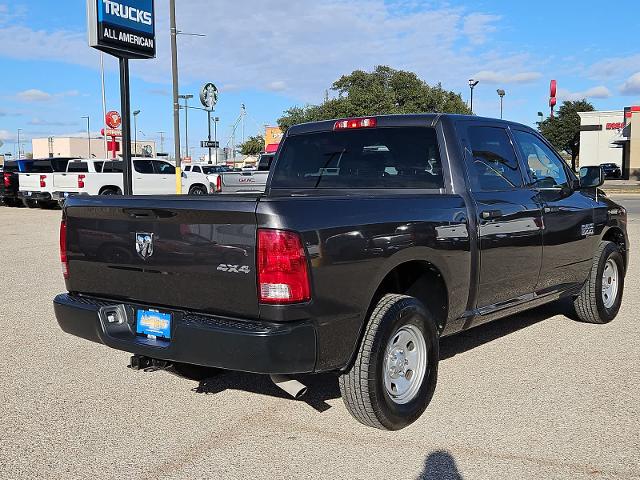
<point>631,203</point>
<point>533,396</point>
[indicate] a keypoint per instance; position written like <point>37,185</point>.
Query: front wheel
<point>395,371</point>
<point>600,298</point>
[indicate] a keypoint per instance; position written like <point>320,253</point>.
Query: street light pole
<point>88,134</point>
<point>186,121</point>
<point>472,84</point>
<point>501,94</point>
<point>161,141</point>
<point>135,133</point>
<point>176,104</point>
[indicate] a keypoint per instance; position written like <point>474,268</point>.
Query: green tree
<point>253,145</point>
<point>383,91</point>
<point>563,130</point>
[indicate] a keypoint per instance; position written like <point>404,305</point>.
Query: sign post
<point>209,99</point>
<point>125,29</point>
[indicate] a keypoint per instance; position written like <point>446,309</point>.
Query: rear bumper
<point>207,340</point>
<point>40,196</point>
<point>63,195</point>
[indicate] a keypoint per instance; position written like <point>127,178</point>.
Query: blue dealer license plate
<point>153,324</point>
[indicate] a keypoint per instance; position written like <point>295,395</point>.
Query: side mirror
<point>591,177</point>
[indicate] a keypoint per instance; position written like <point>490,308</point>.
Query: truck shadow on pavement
<point>324,387</point>
<point>440,465</point>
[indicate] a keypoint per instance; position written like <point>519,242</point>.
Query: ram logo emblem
<point>144,245</point>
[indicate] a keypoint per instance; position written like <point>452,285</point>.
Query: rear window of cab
<point>368,158</point>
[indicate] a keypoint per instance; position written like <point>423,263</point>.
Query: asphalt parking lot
<point>533,396</point>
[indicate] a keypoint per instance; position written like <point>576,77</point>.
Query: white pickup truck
<point>36,181</point>
<point>104,177</point>
<point>246,181</point>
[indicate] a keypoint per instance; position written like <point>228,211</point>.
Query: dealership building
<point>79,147</point>
<point>607,137</point>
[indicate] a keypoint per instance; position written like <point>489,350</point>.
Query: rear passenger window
<point>494,165</point>
<point>393,158</point>
<point>143,166</point>
<point>78,167</point>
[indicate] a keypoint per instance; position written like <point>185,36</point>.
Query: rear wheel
<point>30,203</point>
<point>600,298</point>
<point>198,190</point>
<point>394,374</point>
<point>111,191</point>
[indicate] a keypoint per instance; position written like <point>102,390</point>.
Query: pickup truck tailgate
<point>30,182</point>
<point>173,251</point>
<point>65,181</point>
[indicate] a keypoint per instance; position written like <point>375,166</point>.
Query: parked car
<point>611,170</point>
<point>9,184</point>
<point>35,180</point>
<point>374,238</point>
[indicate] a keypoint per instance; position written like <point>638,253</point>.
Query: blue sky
<point>272,55</point>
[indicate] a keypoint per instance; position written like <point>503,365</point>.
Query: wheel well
<point>421,280</point>
<point>109,187</point>
<point>616,235</point>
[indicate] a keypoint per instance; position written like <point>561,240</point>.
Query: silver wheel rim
<point>405,364</point>
<point>610,283</point>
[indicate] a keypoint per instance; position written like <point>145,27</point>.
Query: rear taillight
<point>219,183</point>
<point>63,249</point>
<point>43,181</point>
<point>7,179</point>
<point>350,123</point>
<point>81,181</point>
<point>283,276</point>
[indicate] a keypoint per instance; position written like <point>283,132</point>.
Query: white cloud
<point>297,48</point>
<point>594,92</point>
<point>277,86</point>
<point>477,26</point>
<point>7,136</point>
<point>488,76</point>
<point>34,95</point>
<point>615,67</point>
<point>631,86</point>
<point>50,123</point>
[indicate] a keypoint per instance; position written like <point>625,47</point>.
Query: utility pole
<point>104,104</point>
<point>19,154</point>
<point>88,134</point>
<point>215,136</point>
<point>161,141</point>
<point>176,105</point>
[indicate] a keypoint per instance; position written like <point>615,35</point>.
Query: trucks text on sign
<point>123,27</point>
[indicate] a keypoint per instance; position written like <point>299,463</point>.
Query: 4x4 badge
<point>144,245</point>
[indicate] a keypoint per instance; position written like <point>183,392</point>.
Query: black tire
<point>198,190</point>
<point>30,203</point>
<point>590,305</point>
<point>362,386</point>
<point>49,205</point>
<point>111,191</point>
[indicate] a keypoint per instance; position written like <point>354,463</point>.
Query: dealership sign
<point>124,28</point>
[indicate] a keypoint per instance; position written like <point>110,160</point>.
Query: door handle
<point>491,214</point>
<point>551,209</point>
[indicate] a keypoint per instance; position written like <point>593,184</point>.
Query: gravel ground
<point>534,396</point>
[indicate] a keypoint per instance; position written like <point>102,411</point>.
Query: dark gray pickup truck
<point>375,237</point>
